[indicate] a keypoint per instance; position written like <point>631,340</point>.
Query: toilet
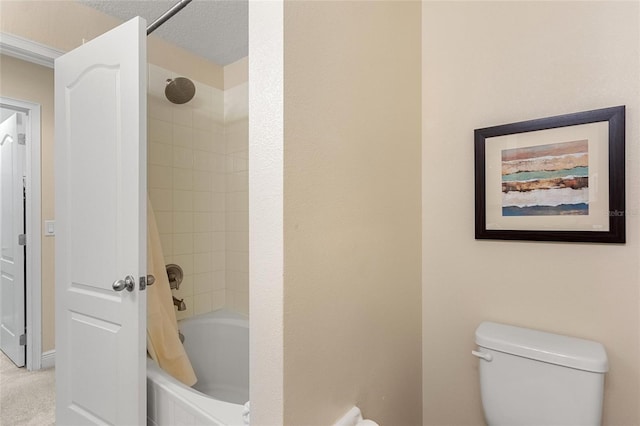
<point>529,377</point>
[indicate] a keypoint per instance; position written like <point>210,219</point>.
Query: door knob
<point>129,283</point>
<point>146,281</point>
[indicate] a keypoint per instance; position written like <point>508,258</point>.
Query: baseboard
<point>48,359</point>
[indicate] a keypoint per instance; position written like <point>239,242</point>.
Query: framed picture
<point>552,179</point>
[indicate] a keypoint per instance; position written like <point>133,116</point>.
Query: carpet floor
<point>26,397</point>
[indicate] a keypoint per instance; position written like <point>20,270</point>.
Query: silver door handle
<point>129,283</point>
<point>146,281</point>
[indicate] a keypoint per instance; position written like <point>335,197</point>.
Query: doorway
<point>20,288</point>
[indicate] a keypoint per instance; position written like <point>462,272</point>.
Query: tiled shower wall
<point>197,181</point>
<point>236,131</point>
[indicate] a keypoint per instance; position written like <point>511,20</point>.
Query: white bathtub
<point>218,347</point>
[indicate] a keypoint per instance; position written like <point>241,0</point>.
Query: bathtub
<point>218,347</point>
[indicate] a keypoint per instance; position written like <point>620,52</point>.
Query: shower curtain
<point>163,341</point>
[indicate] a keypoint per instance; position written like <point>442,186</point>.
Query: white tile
<point>203,119</point>
<point>164,220</point>
<point>239,301</point>
<point>182,244</point>
<point>238,261</point>
<point>203,303</point>
<point>219,242</point>
<point>160,131</point>
<point>159,108</point>
<point>237,138</point>
<point>203,140</point>
<point>218,299</point>
<point>219,279</point>
<point>158,80</point>
<point>202,263</point>
<point>182,136</point>
<point>237,241</point>
<point>218,221</point>
<point>240,164</point>
<point>160,154</point>
<point>182,222</point>
<point>218,202</point>
<point>237,221</point>
<point>237,201</point>
<point>182,157</point>
<point>218,260</point>
<point>159,176</point>
<point>218,163</point>
<point>202,180</point>
<point>161,199</point>
<point>185,261</point>
<point>219,182</point>
<point>183,114</point>
<point>202,201</point>
<point>202,222</point>
<point>218,105</point>
<point>242,154</point>
<point>237,280</point>
<point>203,160</point>
<point>229,167</point>
<point>219,144</point>
<point>204,96</point>
<point>182,201</point>
<point>238,181</point>
<point>202,242</point>
<point>203,283</point>
<point>182,178</point>
<point>236,102</point>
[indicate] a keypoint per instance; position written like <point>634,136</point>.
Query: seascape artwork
<point>546,180</point>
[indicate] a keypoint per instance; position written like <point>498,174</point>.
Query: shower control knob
<point>129,283</point>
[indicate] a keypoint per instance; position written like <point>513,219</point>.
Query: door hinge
<point>22,239</point>
<point>22,139</point>
<point>23,340</point>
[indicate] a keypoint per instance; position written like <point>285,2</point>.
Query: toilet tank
<point>529,377</point>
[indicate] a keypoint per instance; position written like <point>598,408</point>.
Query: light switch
<point>49,228</point>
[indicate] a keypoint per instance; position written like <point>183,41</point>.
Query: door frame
<point>33,292</point>
<point>39,54</point>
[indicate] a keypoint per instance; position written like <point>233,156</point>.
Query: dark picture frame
<point>558,178</point>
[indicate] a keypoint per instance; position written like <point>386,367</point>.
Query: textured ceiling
<point>214,29</point>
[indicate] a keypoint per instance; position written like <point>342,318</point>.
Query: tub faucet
<point>180,304</point>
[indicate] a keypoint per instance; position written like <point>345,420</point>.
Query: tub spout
<point>180,304</point>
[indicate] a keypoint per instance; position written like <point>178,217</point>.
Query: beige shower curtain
<point>163,341</point>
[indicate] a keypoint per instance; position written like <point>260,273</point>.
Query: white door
<point>100,189</point>
<point>12,166</point>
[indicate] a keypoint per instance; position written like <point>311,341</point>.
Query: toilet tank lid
<point>568,351</point>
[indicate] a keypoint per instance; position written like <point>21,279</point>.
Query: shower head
<point>179,90</point>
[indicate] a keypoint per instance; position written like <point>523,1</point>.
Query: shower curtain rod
<point>167,15</point>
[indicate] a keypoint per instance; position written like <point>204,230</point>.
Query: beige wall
<point>489,63</point>
<point>352,211</point>
<point>34,83</point>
